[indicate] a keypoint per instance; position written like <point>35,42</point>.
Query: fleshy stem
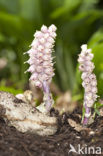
<point>48,100</point>
<point>87,111</point>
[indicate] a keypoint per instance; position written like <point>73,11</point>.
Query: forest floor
<point>15,143</point>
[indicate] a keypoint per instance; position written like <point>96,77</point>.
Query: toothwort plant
<point>41,61</point>
<point>89,81</point>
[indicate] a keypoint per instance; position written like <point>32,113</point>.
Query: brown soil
<point>14,143</point>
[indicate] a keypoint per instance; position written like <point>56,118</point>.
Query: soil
<point>15,143</point>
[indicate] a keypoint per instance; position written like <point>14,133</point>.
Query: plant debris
<point>24,117</point>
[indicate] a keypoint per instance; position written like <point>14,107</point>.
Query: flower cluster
<point>41,66</point>
<point>89,80</point>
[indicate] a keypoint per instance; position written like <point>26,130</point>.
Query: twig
<point>26,149</point>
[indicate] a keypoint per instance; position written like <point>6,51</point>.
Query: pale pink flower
<point>40,61</point>
<point>40,54</point>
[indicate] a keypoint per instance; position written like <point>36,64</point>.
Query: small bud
<point>52,28</point>
<point>84,47</point>
<point>53,34</point>
<point>42,40</point>
<point>84,75</point>
<point>44,29</point>
<point>40,48</point>
<point>38,34</point>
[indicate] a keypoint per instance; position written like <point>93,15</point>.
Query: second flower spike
<point>89,80</point>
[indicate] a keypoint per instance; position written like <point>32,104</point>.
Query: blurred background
<point>78,22</point>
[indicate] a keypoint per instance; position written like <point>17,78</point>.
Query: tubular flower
<point>89,80</point>
<point>41,60</point>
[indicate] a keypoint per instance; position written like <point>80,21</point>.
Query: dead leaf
<point>64,103</point>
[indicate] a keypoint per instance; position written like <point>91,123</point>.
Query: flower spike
<point>40,61</point>
<point>89,80</point>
